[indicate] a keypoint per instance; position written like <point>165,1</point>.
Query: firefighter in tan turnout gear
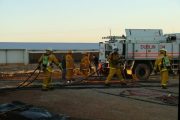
<point>84,65</point>
<point>115,67</point>
<point>46,61</point>
<point>162,64</point>
<point>69,66</point>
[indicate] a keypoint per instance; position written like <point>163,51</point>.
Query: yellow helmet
<point>85,53</point>
<point>69,52</point>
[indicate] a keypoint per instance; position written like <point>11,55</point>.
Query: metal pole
<point>179,63</point>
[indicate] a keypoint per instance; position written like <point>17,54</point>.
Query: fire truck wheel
<point>142,71</point>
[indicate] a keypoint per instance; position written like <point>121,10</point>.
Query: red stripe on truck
<point>151,53</point>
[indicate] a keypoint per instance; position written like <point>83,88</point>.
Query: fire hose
<point>23,83</point>
<point>73,83</point>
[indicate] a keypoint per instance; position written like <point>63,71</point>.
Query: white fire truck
<point>139,49</point>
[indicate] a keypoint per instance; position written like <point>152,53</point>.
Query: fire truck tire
<point>142,71</point>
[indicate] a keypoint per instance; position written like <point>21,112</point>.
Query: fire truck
<point>139,49</point>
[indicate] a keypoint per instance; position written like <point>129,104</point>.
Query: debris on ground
<point>20,111</point>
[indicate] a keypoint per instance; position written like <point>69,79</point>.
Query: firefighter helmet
<point>85,53</point>
<point>49,49</point>
<point>69,52</point>
<point>115,50</point>
<point>162,49</point>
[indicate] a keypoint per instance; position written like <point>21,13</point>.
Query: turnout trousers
<point>164,77</point>
<point>47,81</point>
<point>112,72</point>
<point>69,74</point>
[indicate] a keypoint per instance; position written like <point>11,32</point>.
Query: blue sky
<point>83,20</point>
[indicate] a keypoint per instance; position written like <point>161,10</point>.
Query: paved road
<point>96,102</point>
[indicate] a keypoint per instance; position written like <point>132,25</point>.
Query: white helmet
<point>163,49</point>
<point>49,49</point>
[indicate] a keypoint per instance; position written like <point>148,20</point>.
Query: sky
<point>83,20</point>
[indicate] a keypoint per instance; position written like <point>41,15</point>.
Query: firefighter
<point>64,68</point>
<point>162,64</point>
<point>84,65</point>
<point>90,57</point>
<point>115,67</point>
<point>46,61</point>
<point>96,63</point>
<point>69,66</point>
